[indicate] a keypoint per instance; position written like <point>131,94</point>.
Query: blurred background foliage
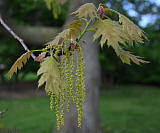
<point>33,12</point>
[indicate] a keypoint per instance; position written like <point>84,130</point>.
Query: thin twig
<point>15,36</point>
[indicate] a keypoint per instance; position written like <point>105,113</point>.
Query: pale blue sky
<point>146,19</point>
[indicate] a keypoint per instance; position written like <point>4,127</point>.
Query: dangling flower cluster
<point>80,86</point>
<point>71,66</point>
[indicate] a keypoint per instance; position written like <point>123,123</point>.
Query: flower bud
<point>102,11</point>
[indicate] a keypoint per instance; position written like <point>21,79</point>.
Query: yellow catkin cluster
<point>71,67</point>
<point>82,67</point>
<point>57,108</point>
<point>62,106</point>
<point>63,90</point>
<point>56,51</point>
<point>80,86</point>
<point>59,99</point>
<point>72,78</point>
<point>46,48</point>
<point>55,103</point>
<point>50,93</point>
<point>67,72</point>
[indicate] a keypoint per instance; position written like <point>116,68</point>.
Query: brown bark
<point>91,122</point>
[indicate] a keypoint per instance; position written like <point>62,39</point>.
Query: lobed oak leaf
<point>19,63</point>
<point>75,28</point>
<point>50,75</point>
<point>108,11</point>
<point>127,57</point>
<point>136,34</point>
<point>111,32</point>
<point>86,10</point>
<point>64,35</point>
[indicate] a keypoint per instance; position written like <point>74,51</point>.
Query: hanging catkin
<point>71,67</point>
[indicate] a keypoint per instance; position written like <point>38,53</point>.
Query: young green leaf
<point>86,10</point>
<point>50,75</point>
<point>75,27</point>
<point>64,35</point>
<point>19,63</point>
<point>111,32</point>
<point>73,31</point>
<point>136,34</point>
<point>127,57</point>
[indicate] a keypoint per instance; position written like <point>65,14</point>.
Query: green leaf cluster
<point>57,69</point>
<point>19,63</point>
<point>50,75</point>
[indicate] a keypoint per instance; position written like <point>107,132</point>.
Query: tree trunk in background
<point>91,122</point>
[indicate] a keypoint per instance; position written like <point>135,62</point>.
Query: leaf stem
<point>85,30</point>
<point>86,27</point>
<point>37,50</point>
